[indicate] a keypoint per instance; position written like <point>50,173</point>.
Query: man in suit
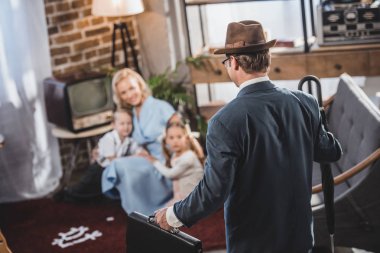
<point>260,150</point>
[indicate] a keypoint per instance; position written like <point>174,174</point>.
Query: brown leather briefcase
<point>145,236</point>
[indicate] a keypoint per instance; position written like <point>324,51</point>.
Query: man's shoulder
<point>234,112</point>
<point>305,98</point>
<point>230,113</point>
<point>300,93</point>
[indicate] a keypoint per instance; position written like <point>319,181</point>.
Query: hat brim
<point>247,49</point>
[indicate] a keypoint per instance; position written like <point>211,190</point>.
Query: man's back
<point>269,203</point>
<point>260,150</point>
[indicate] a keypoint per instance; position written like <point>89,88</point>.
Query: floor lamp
<point>119,8</point>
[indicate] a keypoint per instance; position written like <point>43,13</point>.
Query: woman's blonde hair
<point>194,144</point>
<point>129,74</point>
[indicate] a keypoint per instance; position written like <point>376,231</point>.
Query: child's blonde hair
<point>121,110</point>
<point>194,144</point>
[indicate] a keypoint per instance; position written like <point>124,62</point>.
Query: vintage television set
<point>79,102</point>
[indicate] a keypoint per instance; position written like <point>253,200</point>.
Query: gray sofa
<point>355,121</point>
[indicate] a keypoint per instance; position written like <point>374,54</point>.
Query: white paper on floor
<point>75,236</point>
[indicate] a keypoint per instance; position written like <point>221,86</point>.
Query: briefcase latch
<point>152,220</point>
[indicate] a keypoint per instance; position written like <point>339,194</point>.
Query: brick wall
<point>82,42</point>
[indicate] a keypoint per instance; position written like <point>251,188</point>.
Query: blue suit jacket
<point>260,151</point>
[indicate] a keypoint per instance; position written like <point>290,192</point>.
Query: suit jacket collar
<point>265,85</point>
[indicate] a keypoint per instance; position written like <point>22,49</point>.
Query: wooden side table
<point>65,134</point>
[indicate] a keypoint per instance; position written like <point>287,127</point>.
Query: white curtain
<point>29,161</point>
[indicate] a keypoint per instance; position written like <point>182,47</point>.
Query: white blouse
<point>186,168</point>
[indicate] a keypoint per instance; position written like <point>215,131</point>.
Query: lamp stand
<point>123,27</point>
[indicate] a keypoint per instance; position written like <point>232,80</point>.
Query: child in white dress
<point>184,161</point>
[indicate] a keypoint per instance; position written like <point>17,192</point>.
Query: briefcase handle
<point>152,220</point>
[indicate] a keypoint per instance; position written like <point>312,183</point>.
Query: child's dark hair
<point>194,144</point>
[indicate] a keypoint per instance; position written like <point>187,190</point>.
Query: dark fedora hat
<point>245,37</point>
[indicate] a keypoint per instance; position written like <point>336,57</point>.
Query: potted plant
<point>170,86</point>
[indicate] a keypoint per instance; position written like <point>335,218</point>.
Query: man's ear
<point>235,63</point>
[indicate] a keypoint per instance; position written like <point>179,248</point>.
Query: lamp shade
<point>116,8</point>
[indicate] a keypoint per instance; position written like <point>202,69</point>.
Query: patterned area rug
<point>47,226</point>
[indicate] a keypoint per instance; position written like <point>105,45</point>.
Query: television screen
<point>90,96</point>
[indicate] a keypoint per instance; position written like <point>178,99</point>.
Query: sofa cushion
<point>355,121</point>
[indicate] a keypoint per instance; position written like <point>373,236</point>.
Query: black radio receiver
<point>340,24</point>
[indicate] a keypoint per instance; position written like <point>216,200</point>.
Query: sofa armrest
<point>352,171</point>
<point>326,103</point>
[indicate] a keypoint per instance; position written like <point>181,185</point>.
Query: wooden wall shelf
<point>358,60</point>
